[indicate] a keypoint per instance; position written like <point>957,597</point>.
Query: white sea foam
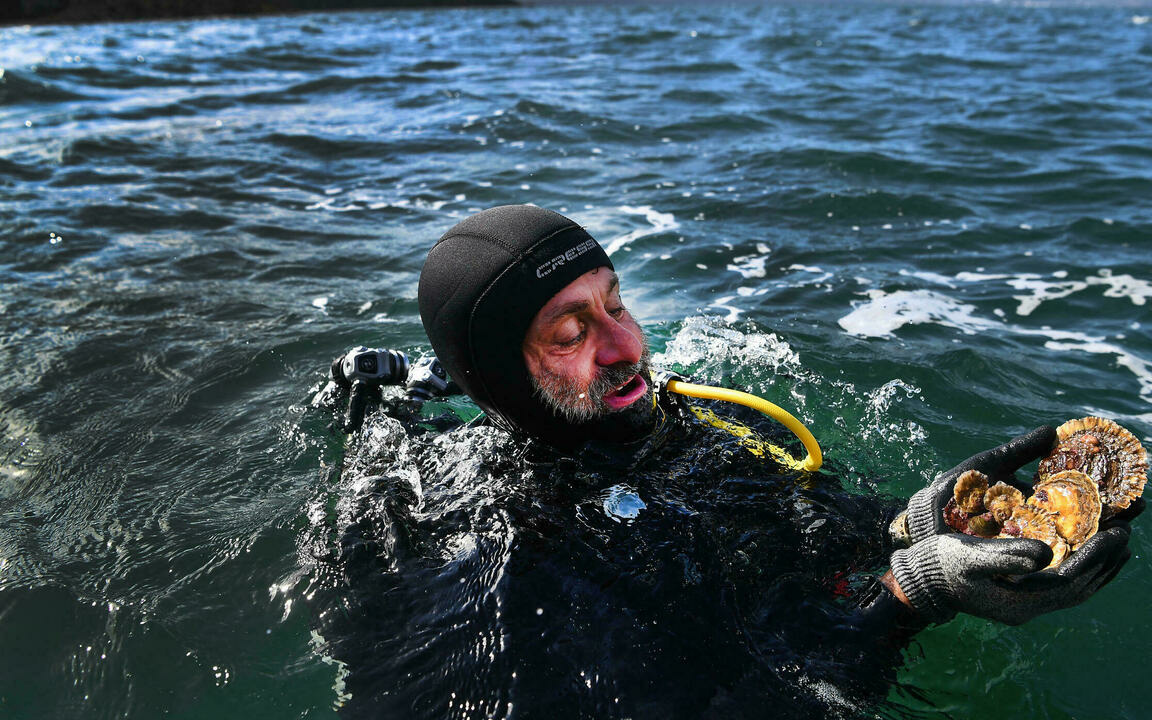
<point>1119,286</point>
<point>884,313</point>
<point>811,276</point>
<point>1040,290</point>
<point>723,304</point>
<point>750,266</point>
<point>709,343</point>
<point>660,222</point>
<point>1139,367</point>
<point>930,277</point>
<point>365,202</point>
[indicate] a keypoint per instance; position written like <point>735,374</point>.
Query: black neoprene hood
<point>481,285</point>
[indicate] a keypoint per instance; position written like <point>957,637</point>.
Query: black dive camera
<point>372,367</point>
<point>427,379</point>
<point>365,370</point>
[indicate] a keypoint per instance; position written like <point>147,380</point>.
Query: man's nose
<point>617,344</point>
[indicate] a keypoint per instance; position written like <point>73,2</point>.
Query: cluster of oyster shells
<point>1096,470</point>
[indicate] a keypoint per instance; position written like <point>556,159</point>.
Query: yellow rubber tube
<point>815,458</point>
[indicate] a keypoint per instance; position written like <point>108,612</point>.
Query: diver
<point>523,311</point>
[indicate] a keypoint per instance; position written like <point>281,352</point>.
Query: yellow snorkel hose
<point>815,457</point>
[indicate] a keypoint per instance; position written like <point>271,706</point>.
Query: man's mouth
<point>627,393</point>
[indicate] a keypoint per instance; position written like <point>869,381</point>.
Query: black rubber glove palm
<point>1000,579</point>
<point>1003,579</point>
<point>925,516</point>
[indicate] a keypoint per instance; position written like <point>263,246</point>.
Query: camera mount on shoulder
<point>362,371</point>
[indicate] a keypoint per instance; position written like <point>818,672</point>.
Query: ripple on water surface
<point>917,228</point>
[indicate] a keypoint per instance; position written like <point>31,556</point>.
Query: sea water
<point>922,229</point>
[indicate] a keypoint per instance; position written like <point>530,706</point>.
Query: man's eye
<point>617,312</point>
<point>570,343</point>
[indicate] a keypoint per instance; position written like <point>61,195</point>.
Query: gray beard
<point>578,404</point>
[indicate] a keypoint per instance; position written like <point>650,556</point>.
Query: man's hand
<point>944,572</point>
<point>925,515</point>
<point>1003,579</point>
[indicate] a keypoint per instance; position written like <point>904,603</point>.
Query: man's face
<point>587,356</point>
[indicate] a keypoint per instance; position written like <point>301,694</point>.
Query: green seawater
<point>922,229</point>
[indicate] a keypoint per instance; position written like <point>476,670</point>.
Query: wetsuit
<point>681,577</point>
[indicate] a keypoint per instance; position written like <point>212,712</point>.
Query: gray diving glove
<point>999,579</point>
<point>925,517</point>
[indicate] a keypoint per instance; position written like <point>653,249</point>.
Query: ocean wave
<point>84,150</point>
<point>138,216</point>
<point>886,312</point>
<point>13,171</point>
<point>328,147</point>
<point>18,88</point>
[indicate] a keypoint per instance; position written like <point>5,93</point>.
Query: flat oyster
<point>1096,470</point>
<point>1000,499</point>
<point>1105,452</point>
<point>965,511</point>
<point>1031,522</point>
<point>969,491</point>
<point>1071,497</point>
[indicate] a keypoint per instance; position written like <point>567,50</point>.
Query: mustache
<point>578,404</point>
<point>610,378</point>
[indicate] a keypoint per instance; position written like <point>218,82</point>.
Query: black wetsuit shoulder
<point>694,580</point>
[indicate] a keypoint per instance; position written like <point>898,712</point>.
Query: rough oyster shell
<point>969,491</point>
<point>980,524</point>
<point>1104,451</point>
<point>1074,502</point>
<point>956,518</point>
<point>1000,499</point>
<point>983,525</point>
<point>1031,522</point>
<point>1096,470</point>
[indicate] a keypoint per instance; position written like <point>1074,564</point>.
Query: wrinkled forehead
<point>597,283</point>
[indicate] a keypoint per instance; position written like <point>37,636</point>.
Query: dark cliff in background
<point>65,11</point>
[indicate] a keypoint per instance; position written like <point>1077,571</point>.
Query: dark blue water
<point>922,229</point>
